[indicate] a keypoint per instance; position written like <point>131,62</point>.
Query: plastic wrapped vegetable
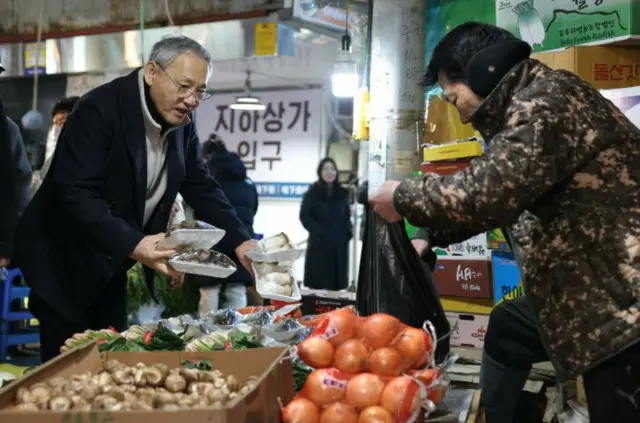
<point>190,224</point>
<point>88,337</point>
<point>207,343</point>
<point>227,317</point>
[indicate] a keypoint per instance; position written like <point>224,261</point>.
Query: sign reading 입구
<point>554,24</point>
<point>279,145</point>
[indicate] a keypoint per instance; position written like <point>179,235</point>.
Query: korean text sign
<point>553,24</point>
<point>279,145</point>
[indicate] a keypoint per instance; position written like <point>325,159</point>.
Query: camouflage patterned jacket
<point>561,151</point>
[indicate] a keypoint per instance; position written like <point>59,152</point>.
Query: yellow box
<point>458,150</point>
<point>467,305</point>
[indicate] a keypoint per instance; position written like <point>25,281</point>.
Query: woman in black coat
<point>326,214</point>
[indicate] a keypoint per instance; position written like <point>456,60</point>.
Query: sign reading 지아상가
<point>280,145</point>
<point>554,24</point>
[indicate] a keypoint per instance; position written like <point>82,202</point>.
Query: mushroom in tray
<point>203,256</point>
<point>189,224</point>
<point>276,243</point>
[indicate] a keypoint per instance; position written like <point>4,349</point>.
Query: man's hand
<point>241,253</point>
<point>175,282</point>
<point>147,254</point>
<point>4,262</point>
<point>420,246</point>
<point>382,202</point>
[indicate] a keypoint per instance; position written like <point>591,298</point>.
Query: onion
<point>339,326</point>
<point>414,345</point>
<point>352,356</point>
<point>375,414</point>
<point>437,392</point>
<point>316,352</point>
<point>364,390</point>
<point>380,329</point>
<point>325,386</point>
<point>401,397</point>
<point>387,362</point>
<point>301,410</point>
<point>339,413</point>
<point>426,376</point>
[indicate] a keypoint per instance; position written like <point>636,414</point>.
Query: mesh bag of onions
<point>367,369</point>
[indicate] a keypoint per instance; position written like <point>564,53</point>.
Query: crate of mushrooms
<point>209,387</point>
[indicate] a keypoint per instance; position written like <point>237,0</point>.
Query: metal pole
<point>397,97</point>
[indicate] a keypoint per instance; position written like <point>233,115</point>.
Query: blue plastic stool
<point>10,293</point>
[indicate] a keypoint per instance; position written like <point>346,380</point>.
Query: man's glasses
<point>186,91</point>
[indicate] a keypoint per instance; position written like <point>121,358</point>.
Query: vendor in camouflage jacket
<point>562,152</point>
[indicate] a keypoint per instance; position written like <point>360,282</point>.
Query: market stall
<point>268,363</point>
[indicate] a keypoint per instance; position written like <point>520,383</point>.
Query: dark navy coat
<point>76,235</point>
<point>327,218</point>
<point>231,173</point>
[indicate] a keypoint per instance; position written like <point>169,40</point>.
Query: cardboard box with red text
<point>463,278</point>
<point>468,330</point>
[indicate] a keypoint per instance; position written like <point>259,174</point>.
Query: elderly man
<point>124,153</point>
<point>563,163</point>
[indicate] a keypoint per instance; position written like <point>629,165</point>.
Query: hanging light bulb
<point>344,80</point>
<point>248,101</point>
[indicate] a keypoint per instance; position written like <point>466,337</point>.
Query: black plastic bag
<point>394,280</point>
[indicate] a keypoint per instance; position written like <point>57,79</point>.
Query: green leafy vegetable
<point>300,373</point>
<point>243,341</point>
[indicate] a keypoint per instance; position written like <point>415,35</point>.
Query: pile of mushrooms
<point>141,387</point>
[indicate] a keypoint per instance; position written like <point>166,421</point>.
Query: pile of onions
<point>367,370</point>
<point>379,344</point>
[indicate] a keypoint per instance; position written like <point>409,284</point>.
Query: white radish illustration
<point>529,22</point>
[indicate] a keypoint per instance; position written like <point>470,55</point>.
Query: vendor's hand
<point>420,246</point>
<point>147,254</point>
<point>241,253</point>
<point>382,202</point>
<point>4,262</point>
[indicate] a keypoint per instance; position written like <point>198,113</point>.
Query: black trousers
<point>513,345</point>
<point>109,310</point>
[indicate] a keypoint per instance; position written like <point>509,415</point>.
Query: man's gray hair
<point>165,51</point>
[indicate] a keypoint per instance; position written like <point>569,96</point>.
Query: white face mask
<point>328,173</point>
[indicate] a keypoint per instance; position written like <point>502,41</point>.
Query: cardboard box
<point>603,67</point>
<point>455,150</point>
<point>473,248</point>
<point>269,364</point>
<point>467,305</point>
<point>507,282</point>
<point>318,301</point>
<point>445,167</point>
<point>443,123</point>
<point>468,330</point>
<point>550,25</point>
<point>463,278</point>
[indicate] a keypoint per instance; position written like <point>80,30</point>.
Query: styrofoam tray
<point>192,238</point>
<point>286,256</point>
<point>204,269</point>
<point>261,269</point>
